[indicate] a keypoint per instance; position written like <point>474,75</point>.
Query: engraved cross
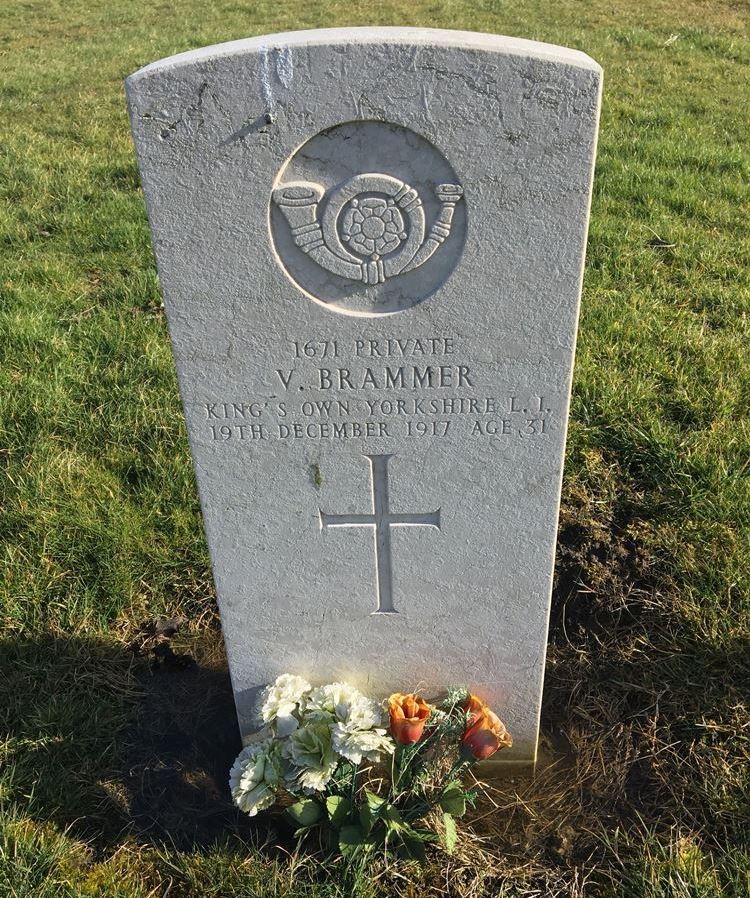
<point>381,520</point>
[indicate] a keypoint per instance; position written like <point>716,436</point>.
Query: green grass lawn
<point>112,775</point>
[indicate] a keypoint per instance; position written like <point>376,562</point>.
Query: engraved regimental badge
<point>350,228</point>
<point>373,226</point>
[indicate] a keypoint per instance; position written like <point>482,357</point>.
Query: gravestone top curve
<point>391,35</point>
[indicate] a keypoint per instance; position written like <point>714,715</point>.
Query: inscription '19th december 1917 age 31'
<point>451,396</point>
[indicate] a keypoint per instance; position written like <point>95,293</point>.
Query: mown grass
<point>112,777</point>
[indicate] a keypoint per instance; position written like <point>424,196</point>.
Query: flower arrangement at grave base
<point>367,776</point>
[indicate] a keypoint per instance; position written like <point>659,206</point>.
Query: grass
<point>112,770</point>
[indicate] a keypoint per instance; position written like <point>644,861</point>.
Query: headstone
<point>370,243</point>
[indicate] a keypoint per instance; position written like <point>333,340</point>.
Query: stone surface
<point>370,243</point>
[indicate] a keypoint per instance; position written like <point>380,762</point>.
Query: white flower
<point>355,722</point>
<point>345,704</point>
<point>254,778</point>
<point>281,700</point>
<point>356,745</point>
<point>364,715</point>
<point>314,779</point>
<point>310,751</point>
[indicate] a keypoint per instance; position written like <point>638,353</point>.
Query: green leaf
<point>302,830</point>
<point>453,799</point>
<point>365,818</point>
<point>305,812</point>
<point>390,816</point>
<point>374,801</point>
<point>412,846</point>
<point>350,838</point>
<point>339,809</point>
<point>426,835</point>
<point>451,833</point>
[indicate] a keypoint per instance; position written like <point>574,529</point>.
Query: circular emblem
<point>368,218</point>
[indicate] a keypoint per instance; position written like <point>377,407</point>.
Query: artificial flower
<point>485,733</point>
<point>310,751</point>
<point>474,708</point>
<point>281,700</point>
<point>408,714</point>
<point>345,704</point>
<point>357,745</point>
<point>254,777</point>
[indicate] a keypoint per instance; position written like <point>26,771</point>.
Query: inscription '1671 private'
<point>438,375</point>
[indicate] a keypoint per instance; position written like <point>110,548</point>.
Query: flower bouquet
<point>368,776</point>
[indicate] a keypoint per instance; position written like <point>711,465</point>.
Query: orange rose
<point>409,714</point>
<point>474,708</point>
<point>485,732</point>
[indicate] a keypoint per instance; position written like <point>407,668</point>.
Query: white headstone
<point>370,243</point>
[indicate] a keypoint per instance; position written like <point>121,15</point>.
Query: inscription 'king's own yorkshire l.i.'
<point>370,243</point>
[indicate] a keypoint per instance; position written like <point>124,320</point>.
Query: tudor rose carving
<point>372,227</point>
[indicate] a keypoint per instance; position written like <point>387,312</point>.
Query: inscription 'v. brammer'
<point>382,519</point>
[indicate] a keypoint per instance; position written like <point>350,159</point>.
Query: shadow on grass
<point>114,742</point>
<point>107,743</point>
<point>179,753</point>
